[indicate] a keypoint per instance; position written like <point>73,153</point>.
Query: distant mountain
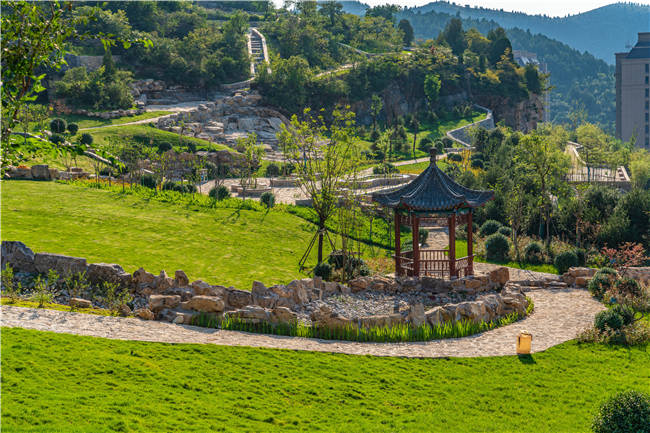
<point>602,31</point>
<point>354,7</point>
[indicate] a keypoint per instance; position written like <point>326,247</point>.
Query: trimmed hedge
<point>490,227</point>
<point>566,260</point>
<point>626,412</point>
<point>497,248</point>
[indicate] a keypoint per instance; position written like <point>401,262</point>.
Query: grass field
<point>221,246</point>
<point>110,385</point>
<point>92,122</point>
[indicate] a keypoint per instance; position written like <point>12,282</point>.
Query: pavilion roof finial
<point>433,155</point>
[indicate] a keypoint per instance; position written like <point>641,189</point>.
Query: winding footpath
<point>559,315</point>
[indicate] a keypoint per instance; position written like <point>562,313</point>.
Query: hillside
<point>602,31</point>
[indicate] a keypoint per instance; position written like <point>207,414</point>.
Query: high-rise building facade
<point>633,93</point>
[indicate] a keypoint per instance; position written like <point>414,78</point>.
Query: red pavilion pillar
<point>470,246</point>
<point>452,246</point>
<point>416,245</point>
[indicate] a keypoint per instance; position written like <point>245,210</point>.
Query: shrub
<point>190,188</point>
<point>423,234</point>
<point>323,270</point>
<point>581,254</point>
<point>505,231</point>
<point>86,139</point>
<point>628,287</point>
<point>164,147</point>
<point>169,186</point>
<point>489,227</point>
<point>497,247</point>
<point>219,193</point>
<point>191,147</point>
<point>565,260</point>
<point>425,144</point>
<point>272,170</point>
<point>602,281</point>
<point>477,163</point>
<point>73,128</point>
<point>58,125</point>
<point>385,168</point>
<point>608,319</point>
<point>57,138</point>
<point>268,200</point>
<point>626,313</point>
<point>534,253</point>
<point>626,412</point>
<point>374,135</point>
<point>455,157</point>
<point>148,181</point>
<point>106,171</point>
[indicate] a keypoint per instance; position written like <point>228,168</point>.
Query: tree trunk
<point>320,246</point>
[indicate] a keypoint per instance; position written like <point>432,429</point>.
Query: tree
<point>454,35</point>
<point>253,155</point>
<point>406,28</point>
<point>543,157</point>
<point>376,105</point>
<point>34,39</point>
<point>432,88</point>
<point>109,65</point>
<point>73,128</point>
<point>58,126</point>
<point>415,124</point>
<point>386,11</point>
<point>326,157</point>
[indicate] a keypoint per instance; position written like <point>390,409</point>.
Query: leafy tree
<point>86,139</point>
<point>454,36</point>
<point>58,125</point>
<point>432,88</point>
<point>252,159</point>
<point>109,65</point>
<point>326,157</point>
<point>406,28</point>
<point>376,105</point>
<point>386,11</point>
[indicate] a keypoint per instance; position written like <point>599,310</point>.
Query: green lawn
<point>221,246</point>
<point>63,383</point>
<point>146,134</point>
<point>91,122</point>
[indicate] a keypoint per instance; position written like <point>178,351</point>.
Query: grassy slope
<point>110,385</point>
<point>91,122</point>
<point>221,246</point>
<point>433,130</point>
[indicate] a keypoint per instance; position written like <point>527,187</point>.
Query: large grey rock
<point>40,172</point>
<point>251,313</point>
<point>80,303</point>
<point>180,279</point>
<point>18,255</point>
<point>64,265</point>
<point>416,315</point>
<point>100,272</point>
<point>143,277</point>
<point>206,304</point>
<point>238,298</point>
<point>299,292</point>
<point>144,313</point>
<point>162,282</point>
<point>381,320</point>
<point>283,315</point>
<point>159,302</point>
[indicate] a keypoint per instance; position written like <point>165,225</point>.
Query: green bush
<point>323,270</point>
<point>490,227</point>
<point>272,170</point>
<point>268,200</point>
<point>164,147</point>
<point>626,412</point>
<point>57,138</point>
<point>190,188</point>
<point>505,231</point>
<point>148,181</point>
<point>599,284</point>
<point>58,125</point>
<point>566,260</point>
<point>169,186</point>
<point>423,234</point>
<point>534,253</point>
<point>219,193</point>
<point>455,157</point>
<point>86,139</point>
<point>497,247</point>
<point>628,287</point>
<point>73,128</point>
<point>626,313</point>
<point>608,319</point>
<point>477,163</point>
<point>581,254</point>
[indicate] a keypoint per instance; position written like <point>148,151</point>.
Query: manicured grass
<point>419,167</point>
<point>53,306</point>
<point>58,382</point>
<point>32,154</point>
<point>148,135</point>
<point>91,122</point>
<point>222,246</point>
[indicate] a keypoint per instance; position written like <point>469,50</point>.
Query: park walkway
<point>560,315</point>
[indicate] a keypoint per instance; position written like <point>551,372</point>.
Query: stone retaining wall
<point>43,172</point>
<point>178,300</point>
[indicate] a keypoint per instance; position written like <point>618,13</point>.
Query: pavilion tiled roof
<point>432,191</point>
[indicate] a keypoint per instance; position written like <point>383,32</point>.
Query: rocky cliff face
<point>521,116</point>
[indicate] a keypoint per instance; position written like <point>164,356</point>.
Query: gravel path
<point>559,316</point>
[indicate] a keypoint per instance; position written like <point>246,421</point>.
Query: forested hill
<point>602,31</point>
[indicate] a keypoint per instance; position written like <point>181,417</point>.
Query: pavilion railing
<point>435,263</point>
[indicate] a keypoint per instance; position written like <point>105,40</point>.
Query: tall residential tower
<point>633,93</point>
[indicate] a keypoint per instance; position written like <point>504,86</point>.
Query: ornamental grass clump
<point>402,332</point>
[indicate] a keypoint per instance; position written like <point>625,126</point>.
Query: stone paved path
<point>560,315</point>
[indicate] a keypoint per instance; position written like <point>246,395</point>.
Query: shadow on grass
<point>526,359</point>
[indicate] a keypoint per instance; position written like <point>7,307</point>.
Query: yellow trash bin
<point>524,343</point>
